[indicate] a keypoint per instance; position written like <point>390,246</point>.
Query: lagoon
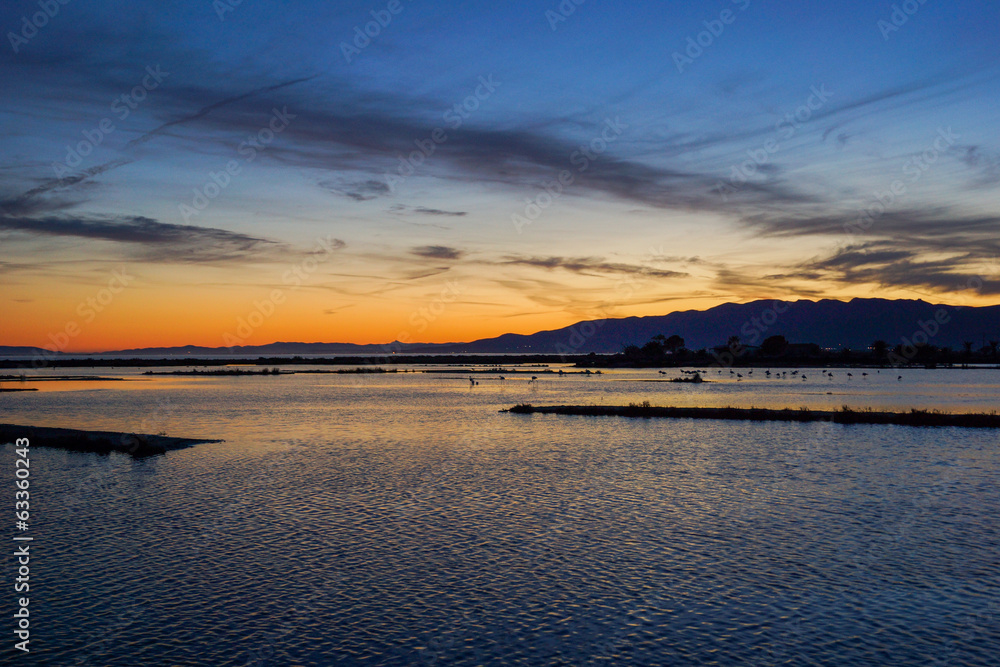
<point>402,519</point>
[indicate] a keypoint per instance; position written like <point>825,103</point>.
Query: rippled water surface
<point>401,519</point>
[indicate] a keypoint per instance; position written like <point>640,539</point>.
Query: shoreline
<point>58,378</point>
<point>98,442</point>
<point>923,418</point>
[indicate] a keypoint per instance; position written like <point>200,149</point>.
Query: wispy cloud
<point>437,252</point>
<point>436,211</point>
<point>906,265</point>
<point>357,190</point>
<point>405,210</point>
<point>214,106</point>
<point>159,241</point>
<point>352,129</point>
<point>589,266</point>
<point>942,222</point>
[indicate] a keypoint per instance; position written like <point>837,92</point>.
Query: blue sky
<point>671,196</point>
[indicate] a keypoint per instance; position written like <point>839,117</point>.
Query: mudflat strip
<point>846,416</point>
<point>101,442</point>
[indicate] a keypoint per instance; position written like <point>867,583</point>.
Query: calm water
<point>400,519</point>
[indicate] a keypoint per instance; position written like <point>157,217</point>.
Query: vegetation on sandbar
<point>845,415</point>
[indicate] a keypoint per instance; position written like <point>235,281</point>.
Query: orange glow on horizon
<point>174,317</point>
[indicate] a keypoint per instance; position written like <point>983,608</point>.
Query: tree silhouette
<point>631,351</point>
<point>653,348</point>
<point>774,346</point>
<point>880,348</point>
<point>674,343</point>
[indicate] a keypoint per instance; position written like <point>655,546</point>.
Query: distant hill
<point>255,350</point>
<point>200,351</point>
<point>22,351</point>
<point>828,323</point>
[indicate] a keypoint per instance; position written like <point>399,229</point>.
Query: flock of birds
<point>534,378</point>
<point>780,375</point>
<point>475,383</point>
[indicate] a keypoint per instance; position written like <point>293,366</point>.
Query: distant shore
<point>100,442</point>
<point>495,360</point>
<point>56,378</point>
<point>843,416</point>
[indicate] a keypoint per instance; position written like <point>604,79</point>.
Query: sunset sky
<point>168,169</point>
